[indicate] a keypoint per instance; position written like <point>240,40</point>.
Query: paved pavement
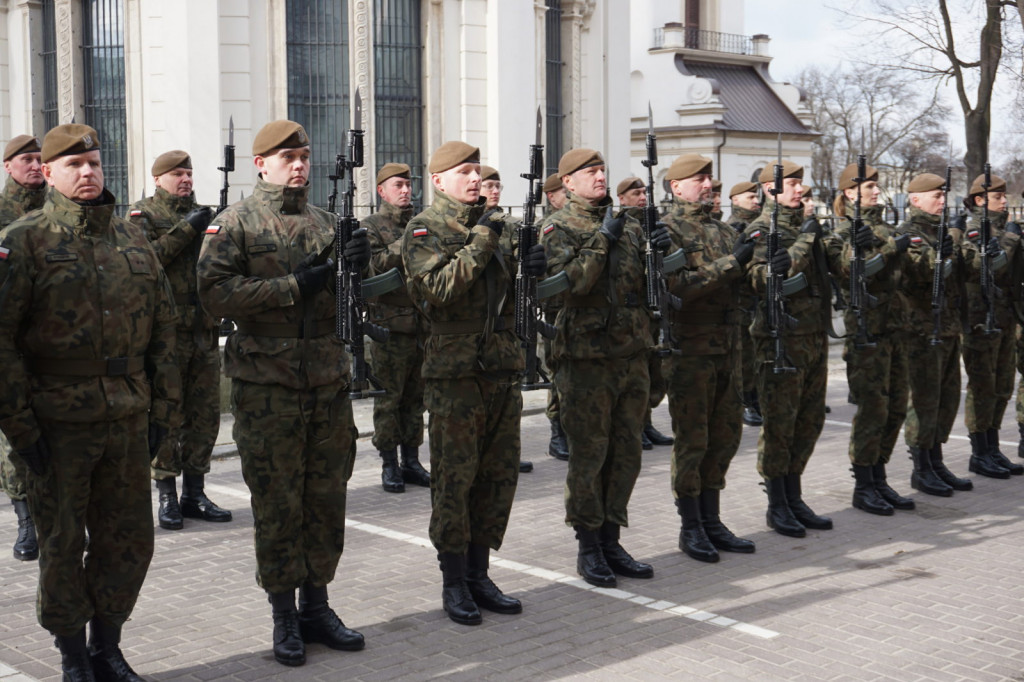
<point>933,594</point>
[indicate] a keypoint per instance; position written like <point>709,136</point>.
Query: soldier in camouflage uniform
<point>793,403</point>
<point>175,225</point>
<point>289,384</point>
<point>558,447</point>
<point>988,356</point>
<point>716,200</point>
<point>459,277</point>
<point>87,341</point>
<point>934,368</point>
<point>745,209</point>
<point>703,375</point>
<point>601,350</point>
<point>398,414</point>
<point>876,365</point>
<point>24,191</point>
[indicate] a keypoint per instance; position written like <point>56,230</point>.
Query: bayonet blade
<point>231,131</point>
<point>540,127</point>
<point>650,120</point>
<point>357,111</point>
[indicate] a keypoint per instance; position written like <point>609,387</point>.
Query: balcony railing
<point>698,39</point>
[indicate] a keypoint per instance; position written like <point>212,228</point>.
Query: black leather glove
<point>811,226</point>
<point>738,226</point>
<point>1013,228</point>
<point>495,226</point>
<point>612,227</point>
<point>864,237</point>
<point>902,243</point>
<point>312,280</point>
<point>781,261</point>
<point>199,218</point>
<point>660,238</point>
<point>535,263</point>
<point>157,435</point>
<point>947,246</point>
<point>36,456</point>
<point>993,247</point>
<point>357,249</point>
<point>959,222</point>
<point>743,249</point>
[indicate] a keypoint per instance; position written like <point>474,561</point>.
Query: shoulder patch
<point>756,234</point>
<point>135,213</point>
<point>213,229</point>
<point>915,240</point>
<point>4,253</point>
<point>419,232</point>
<point>549,228</point>
<point>973,234</point>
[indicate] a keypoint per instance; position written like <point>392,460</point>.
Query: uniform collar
<point>86,219</point>
<point>580,206</point>
<point>173,201</point>
<point>394,213</point>
<point>464,214</point>
<point>30,198</point>
<point>280,197</point>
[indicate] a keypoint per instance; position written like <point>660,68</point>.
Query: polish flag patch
<point>548,228</point>
<point>135,214</point>
<point>755,234</point>
<point>915,240</point>
<point>973,234</point>
<point>213,229</point>
<point>419,232</point>
<point>4,252</point>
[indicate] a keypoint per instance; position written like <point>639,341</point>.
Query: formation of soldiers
<point>109,337</point>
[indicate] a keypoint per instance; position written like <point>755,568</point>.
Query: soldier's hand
<point>781,261</point>
<point>535,263</point>
<point>1013,228</point>
<point>743,249</point>
<point>947,246</point>
<point>660,238</point>
<point>36,456</point>
<point>312,280</point>
<point>611,227</point>
<point>864,237</point>
<point>811,226</point>
<point>495,226</point>
<point>738,226</point>
<point>156,436</point>
<point>902,243</point>
<point>959,222</point>
<point>199,218</point>
<point>357,249</point>
<point>993,247</point>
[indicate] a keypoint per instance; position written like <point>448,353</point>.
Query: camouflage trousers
<point>297,449</point>
<point>707,419</point>
<point>792,404</point>
<point>934,374</point>
<point>878,382</point>
<point>189,447</point>
<point>748,363</point>
<point>544,355</point>
<point>987,361</point>
<point>12,471</point>
<point>97,481</point>
<point>1020,371</point>
<point>603,403</point>
<point>398,414</point>
<point>474,459</point>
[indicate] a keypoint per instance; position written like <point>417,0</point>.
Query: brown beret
<point>553,183</point>
<point>168,161</point>
<point>489,173</point>
<point>452,154</point>
<point>578,159</point>
<point>998,185</point>
<point>22,144</point>
<point>391,170</point>
<point>742,188</point>
<point>70,138</point>
<point>850,172</point>
<point>628,184</point>
<point>925,182</point>
<point>789,170</point>
<point>281,134</point>
<point>806,192</point>
<point>716,186</point>
<point>687,166</point>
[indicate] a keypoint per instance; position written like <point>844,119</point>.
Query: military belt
<point>722,317</point>
<point>449,327</point>
<point>276,330</point>
<point>109,367</point>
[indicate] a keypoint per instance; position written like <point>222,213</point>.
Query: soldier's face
<point>77,176</point>
<point>461,183</point>
<point>491,189</point>
<point>996,201</point>
<point>747,200</point>
<point>869,193</point>
<point>288,167</point>
<point>26,169</point>
<point>557,198</point>
<point>588,184</point>
<point>930,202</point>
<point>396,191</point>
<point>716,201</point>
<point>634,197</point>
<point>791,193</point>
<point>694,188</point>
<point>177,182</point>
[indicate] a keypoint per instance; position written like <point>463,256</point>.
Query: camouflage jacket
<point>463,281</point>
<point>17,200</point>
<point>918,268</point>
<point>603,313</point>
<point>889,314</point>
<point>708,284</point>
<point>162,219</point>
<point>245,273</point>
<point>82,286</point>
<point>741,217</point>
<point>1007,272</point>
<point>811,305</point>
<point>393,310</point>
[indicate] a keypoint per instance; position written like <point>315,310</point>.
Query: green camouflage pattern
<point>1020,370</point>
<point>934,377</point>
<point>738,220</point>
<point>393,310</point>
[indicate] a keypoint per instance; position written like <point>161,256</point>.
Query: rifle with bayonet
<point>938,276</point>
<point>859,296</point>
<point>987,278</point>
<point>229,164</point>
<point>775,305</point>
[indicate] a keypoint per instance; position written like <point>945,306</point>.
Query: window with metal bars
<point>318,81</point>
<point>104,81</point>
<point>49,55</point>
<point>398,92</point>
<point>553,69</point>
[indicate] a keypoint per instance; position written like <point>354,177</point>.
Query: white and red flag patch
<point>419,232</point>
<point>4,253</point>
<point>548,228</point>
<point>213,229</point>
<point>915,240</point>
<point>135,214</point>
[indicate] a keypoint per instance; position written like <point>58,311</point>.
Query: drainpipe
<point>718,154</point>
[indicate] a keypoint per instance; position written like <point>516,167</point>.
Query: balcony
<point>675,35</point>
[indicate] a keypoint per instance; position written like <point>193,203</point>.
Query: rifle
<point>775,305</point>
<point>987,280</point>
<point>528,320</point>
<point>350,325</point>
<point>859,296</point>
<point>938,276</point>
<point>229,164</point>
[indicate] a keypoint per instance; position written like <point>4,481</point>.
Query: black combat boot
<point>590,561</point>
<point>391,474</point>
<point>865,494</point>
<point>693,541</point>
<point>26,547</point>
<point>169,514</point>
<point>645,442</point>
<point>108,664</point>
<point>455,595</point>
<point>74,658</point>
<point>558,447</point>
<point>982,462</point>
<point>804,514</point>
<point>924,478</point>
<point>655,436</point>
<point>483,590</point>
<point>289,649</point>
<point>885,490</point>
<point>719,535</point>
<point>196,505</point>
<point>954,482</point>
<point>617,558</point>
<point>318,623</point>
<point>412,471</point>
<point>779,516</point>
<point>997,455</point>
<point>525,466</point>
<point>751,410</point>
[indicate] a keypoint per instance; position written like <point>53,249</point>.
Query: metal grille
<point>317,55</point>
<point>103,71</point>
<point>49,55</point>
<point>554,66</point>
<point>398,92</point>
